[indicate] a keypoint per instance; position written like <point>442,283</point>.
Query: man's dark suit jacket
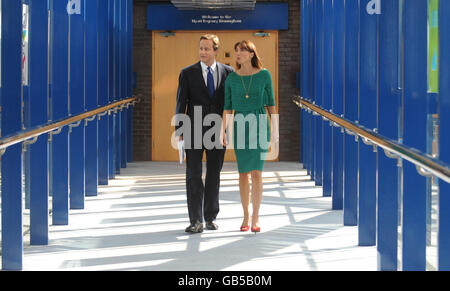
<point>192,91</point>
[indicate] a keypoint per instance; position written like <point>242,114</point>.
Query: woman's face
<point>243,56</point>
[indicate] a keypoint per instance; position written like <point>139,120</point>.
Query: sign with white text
<point>265,16</point>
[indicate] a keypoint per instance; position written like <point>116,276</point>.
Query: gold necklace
<point>249,86</point>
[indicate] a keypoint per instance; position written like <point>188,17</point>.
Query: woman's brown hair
<point>250,47</point>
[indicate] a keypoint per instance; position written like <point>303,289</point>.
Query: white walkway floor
<point>138,222</point>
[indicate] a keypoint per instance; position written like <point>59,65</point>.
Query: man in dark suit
<point>201,90</point>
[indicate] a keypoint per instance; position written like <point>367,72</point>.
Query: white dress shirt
<point>214,71</point>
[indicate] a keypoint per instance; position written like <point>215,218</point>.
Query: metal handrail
<point>55,127</point>
<point>426,165</point>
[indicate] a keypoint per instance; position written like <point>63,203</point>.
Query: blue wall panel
<point>311,95</point>
<point>118,142</point>
<point>12,241</point>
<point>318,90</point>
<point>59,59</point>
<point>118,84</point>
<point>327,101</point>
<point>111,86</point>
<point>91,83</point>
<point>389,106</point>
<point>351,101</point>
<point>368,118</point>
<point>444,150</point>
<point>415,132</point>
<point>38,41</point>
<point>129,79</point>
<point>305,79</point>
<point>371,68</point>
<point>103,90</point>
<point>339,14</point>
<point>123,81</point>
<point>78,60</point>
<point>77,106</point>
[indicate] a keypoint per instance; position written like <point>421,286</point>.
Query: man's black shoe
<point>195,228</point>
<point>211,225</point>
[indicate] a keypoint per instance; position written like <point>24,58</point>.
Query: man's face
<point>206,52</point>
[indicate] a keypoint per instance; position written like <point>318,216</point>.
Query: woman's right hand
<point>223,138</point>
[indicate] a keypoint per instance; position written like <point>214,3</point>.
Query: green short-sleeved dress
<point>251,133</point>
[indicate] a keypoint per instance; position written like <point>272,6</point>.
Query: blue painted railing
<point>79,60</point>
<point>366,61</point>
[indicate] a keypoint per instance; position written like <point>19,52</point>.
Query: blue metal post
<point>111,146</point>
<point>112,87</point>
<point>415,129</point>
<point>123,81</point>
<point>314,53</point>
<point>129,79</point>
<point>117,143</point>
<point>11,55</point>
<point>77,106</point>
<point>311,131</point>
<point>123,138</point>
<point>328,97</point>
<point>389,105</point>
<point>339,14</point>
<point>59,59</point>
<point>38,42</point>
<point>12,242</point>
<point>118,84</point>
<point>103,92</point>
<point>305,79</point>
<point>318,88</point>
<point>444,143</point>
<point>351,104</point>
<point>368,118</point>
<point>91,83</point>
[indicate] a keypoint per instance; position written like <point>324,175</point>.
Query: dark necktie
<point>210,83</point>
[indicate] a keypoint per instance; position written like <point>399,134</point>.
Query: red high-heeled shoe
<point>245,228</point>
<point>256,229</point>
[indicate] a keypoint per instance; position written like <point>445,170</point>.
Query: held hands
<point>227,119</point>
<point>223,138</point>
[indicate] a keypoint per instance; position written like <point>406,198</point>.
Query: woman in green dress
<point>248,92</point>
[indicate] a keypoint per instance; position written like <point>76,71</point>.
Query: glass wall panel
<point>433,131</point>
